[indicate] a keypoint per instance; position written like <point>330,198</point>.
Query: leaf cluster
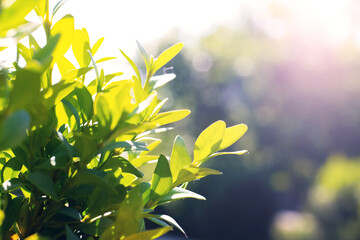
<point>73,151</point>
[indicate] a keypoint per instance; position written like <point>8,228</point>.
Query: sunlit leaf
<point>190,173</point>
<point>145,56</point>
<point>104,59</point>
<point>161,181</point>
<point>228,153</point>
<point>64,65</point>
<point>80,48</point>
<point>55,93</point>
<point>133,65</point>
<point>180,157</point>
<point>26,89</point>
<point>167,219</point>
<point>169,117</point>
<point>76,73</point>
<point>97,45</point>
<point>14,15</point>
<point>157,82</point>
<point>231,135</point>
<point>127,146</point>
<point>150,234</point>
<point>64,27</point>
<point>128,218</point>
<point>167,55</point>
<point>119,162</point>
<point>179,193</point>
<point>208,142</point>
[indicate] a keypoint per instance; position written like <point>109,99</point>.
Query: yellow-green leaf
<point>96,46</point>
<point>64,27</point>
<point>169,117</point>
<point>180,157</point>
<point>128,218</point>
<point>64,65</point>
<point>161,181</point>
<point>81,47</point>
<point>167,55</point>
<point>231,135</point>
<point>150,234</point>
<point>190,173</point>
<point>208,142</point>
<point>14,15</point>
<point>228,153</point>
<point>133,65</point>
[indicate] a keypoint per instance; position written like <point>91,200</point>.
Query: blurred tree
<point>300,100</point>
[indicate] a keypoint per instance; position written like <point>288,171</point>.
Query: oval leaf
<point>208,142</point>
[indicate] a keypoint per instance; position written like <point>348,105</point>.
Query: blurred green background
<point>299,94</point>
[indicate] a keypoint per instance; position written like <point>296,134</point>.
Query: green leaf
<point>11,184</point>
<point>231,135</point>
<point>85,102</point>
<point>94,178</point>
<point>208,142</point>
<point>144,105</point>
<point>161,181</point>
<point>76,73</point>
<point>150,234</point>
<point>43,57</point>
<point>104,59</point>
<point>24,52</point>
<point>125,165</point>
<point>13,129</point>
<point>189,174</point>
<point>167,55</point>
<point>157,108</point>
<point>70,235</point>
<point>179,193</point>
<point>43,182</point>
<point>169,117</point>
<point>11,169</point>
<point>14,15</point>
<point>227,153</point>
<point>127,146</point>
<point>128,219</point>
<point>64,27</point>
<point>81,47</point>
<point>145,56</point>
<point>57,7</point>
<point>11,213</point>
<point>133,65</point>
<point>167,219</point>
<point>73,111</point>
<point>97,45</point>
<point>85,146</point>
<point>64,65</point>
<point>157,82</point>
<point>180,157</point>
<point>26,89</point>
<point>41,7</point>
<point>57,92</point>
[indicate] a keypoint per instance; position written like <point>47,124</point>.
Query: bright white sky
<point>122,22</point>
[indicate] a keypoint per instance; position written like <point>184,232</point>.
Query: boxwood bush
<point>74,150</point>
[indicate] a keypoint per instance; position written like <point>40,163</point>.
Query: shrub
<point>72,151</point>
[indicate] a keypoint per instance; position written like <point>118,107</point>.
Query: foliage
<point>73,152</point>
